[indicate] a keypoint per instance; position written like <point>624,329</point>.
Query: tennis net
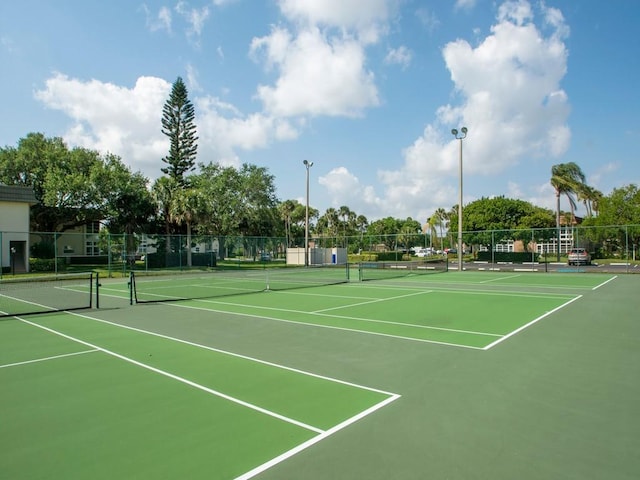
<point>383,270</point>
<point>46,294</point>
<point>148,286</point>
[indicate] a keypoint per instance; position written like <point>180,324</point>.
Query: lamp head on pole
<point>307,163</point>
<point>463,133</point>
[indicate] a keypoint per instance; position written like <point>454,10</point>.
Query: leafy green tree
<point>490,220</point>
<point>618,219</point>
<point>360,225</point>
<point>74,186</point>
<point>299,218</point>
<point>163,191</point>
<point>329,224</point>
<point>129,205</point>
<point>236,201</point>
<point>385,230</point>
<point>410,233</point>
<point>258,201</point>
<point>293,215</point>
<point>178,117</point>
<point>620,207</point>
<point>186,208</point>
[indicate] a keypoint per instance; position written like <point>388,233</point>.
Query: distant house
<point>14,227</point>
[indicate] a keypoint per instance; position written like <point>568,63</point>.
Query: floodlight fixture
<point>463,134</point>
<point>308,165</point>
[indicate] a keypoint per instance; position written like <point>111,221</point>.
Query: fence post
<point>626,246</point>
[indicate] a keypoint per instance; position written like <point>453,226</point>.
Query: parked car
<point>265,257</point>
<point>578,256</point>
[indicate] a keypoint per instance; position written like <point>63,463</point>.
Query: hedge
<point>174,259</point>
<point>512,257</point>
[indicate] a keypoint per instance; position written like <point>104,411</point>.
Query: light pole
<point>460,136</point>
<point>308,165</point>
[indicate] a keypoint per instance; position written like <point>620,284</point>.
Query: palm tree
<point>567,179</point>
<point>163,191</point>
<point>328,223</point>
<point>589,197</point>
<point>430,227</point>
<point>345,213</point>
<point>286,209</point>
<point>185,208</point>
<point>442,222</point>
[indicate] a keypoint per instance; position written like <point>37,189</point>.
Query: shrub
<point>514,257</point>
<point>43,265</point>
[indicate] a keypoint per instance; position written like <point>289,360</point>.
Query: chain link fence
<point>120,253</point>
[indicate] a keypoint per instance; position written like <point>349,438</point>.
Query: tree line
<point>77,186</point>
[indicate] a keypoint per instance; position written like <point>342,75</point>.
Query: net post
<point>97,289</point>
<point>91,290</point>
<point>266,274</point>
<point>131,284</point>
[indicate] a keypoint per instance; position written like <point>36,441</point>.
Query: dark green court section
<point>558,400</point>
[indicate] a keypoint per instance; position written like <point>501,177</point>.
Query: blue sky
<point>367,90</point>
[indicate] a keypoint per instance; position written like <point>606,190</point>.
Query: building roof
<point>15,193</point>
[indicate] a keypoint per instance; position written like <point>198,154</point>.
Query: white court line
<point>536,320</point>
<point>226,352</point>
<point>322,434</point>
<point>48,358</point>
<point>604,283</point>
<point>500,278</point>
<point>370,301</point>
<point>286,455</point>
<point>180,379</point>
<point>319,313</point>
<point>331,327</point>
<point>27,302</point>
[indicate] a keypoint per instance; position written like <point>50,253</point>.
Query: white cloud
<point>162,21</point>
<point>127,122</point>
<point>366,18</point>
<point>399,56</point>
<point>427,18</point>
<point>113,119</point>
<point>511,101</point>
<point>595,178</point>
<point>192,79</point>
<point>516,11</point>
<point>195,18</point>
<point>317,75</point>
<point>464,4</point>
<point>344,188</point>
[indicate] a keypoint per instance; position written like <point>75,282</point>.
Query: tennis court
<point>455,375</point>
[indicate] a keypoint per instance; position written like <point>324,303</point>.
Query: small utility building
<point>15,202</point>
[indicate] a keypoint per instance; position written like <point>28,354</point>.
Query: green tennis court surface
<point>460,375</point>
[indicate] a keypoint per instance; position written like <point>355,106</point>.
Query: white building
<point>15,202</point>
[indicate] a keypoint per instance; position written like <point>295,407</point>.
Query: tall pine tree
<point>178,124</point>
